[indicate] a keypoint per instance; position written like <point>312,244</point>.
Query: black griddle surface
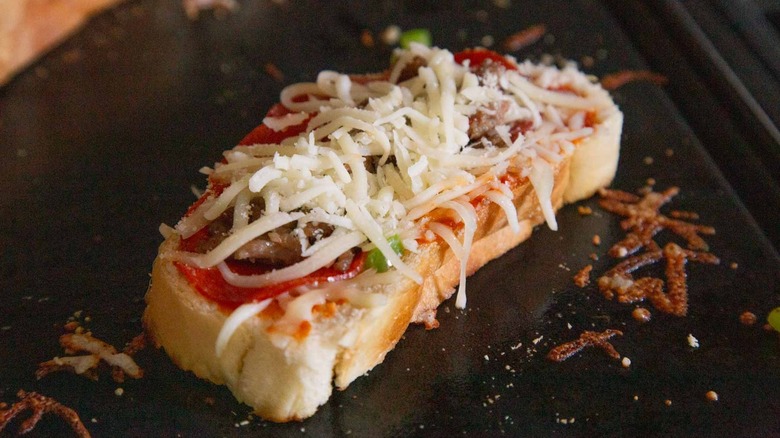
<point>102,140</point>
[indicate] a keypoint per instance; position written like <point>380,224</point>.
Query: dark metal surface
<point>103,137</point>
<point>720,55</point>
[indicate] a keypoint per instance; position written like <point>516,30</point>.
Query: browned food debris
<point>618,282</point>
<point>524,38</point>
<point>582,278</point>
<point>644,221</point>
<point>618,79</point>
<point>748,318</point>
<point>135,345</point>
<point>429,319</point>
<point>72,56</point>
<point>685,215</point>
<point>272,70</point>
<point>72,326</point>
<point>640,314</point>
<point>87,364</point>
<point>596,240</point>
<point>40,405</point>
<point>586,339</point>
<point>367,38</point>
<point>584,210</point>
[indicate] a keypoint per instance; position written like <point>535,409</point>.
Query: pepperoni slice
<point>477,57</point>
<point>210,283</point>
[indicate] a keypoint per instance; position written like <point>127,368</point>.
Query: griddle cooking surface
<point>103,138</point>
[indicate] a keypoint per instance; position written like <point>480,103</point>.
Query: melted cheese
<point>324,256</point>
<point>235,320</point>
<point>469,218</point>
<point>542,179</point>
<point>505,202</point>
<point>237,240</point>
<point>285,121</point>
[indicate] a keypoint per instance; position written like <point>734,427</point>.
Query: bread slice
<point>285,371</point>
<point>29,28</point>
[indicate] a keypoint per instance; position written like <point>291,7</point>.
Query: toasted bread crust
<point>595,161</point>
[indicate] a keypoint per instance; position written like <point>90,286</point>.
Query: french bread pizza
<point>359,205</point>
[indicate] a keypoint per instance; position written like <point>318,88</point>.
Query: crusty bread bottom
<point>285,379</point>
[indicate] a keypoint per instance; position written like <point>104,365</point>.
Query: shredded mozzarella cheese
<point>225,198</point>
<point>237,240</point>
<point>505,202</point>
<point>285,121</point>
<point>235,320</point>
<point>326,254</point>
<point>375,158</point>
<point>542,179</point>
<point>469,217</point>
<point>364,222</point>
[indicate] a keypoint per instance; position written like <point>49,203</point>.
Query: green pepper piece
<point>422,36</point>
<point>378,261</point>
<point>774,318</point>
